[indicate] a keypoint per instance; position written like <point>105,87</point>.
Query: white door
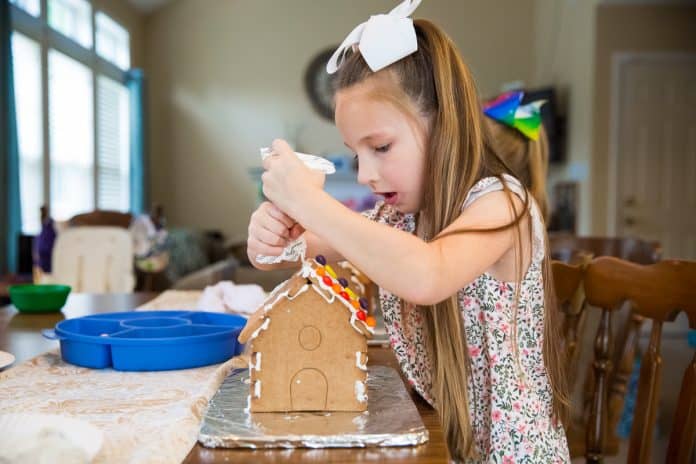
<point>654,150</point>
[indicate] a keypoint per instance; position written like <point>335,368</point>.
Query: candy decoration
<point>345,296</point>
<point>327,280</point>
<point>363,303</point>
<point>330,271</point>
<point>355,304</point>
<point>321,260</point>
<point>351,293</point>
<point>321,272</point>
<point>343,282</point>
<point>337,288</point>
<point>370,321</point>
<point>361,315</point>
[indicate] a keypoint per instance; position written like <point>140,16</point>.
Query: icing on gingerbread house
<point>308,345</point>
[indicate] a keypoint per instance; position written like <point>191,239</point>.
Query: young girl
<point>456,247</point>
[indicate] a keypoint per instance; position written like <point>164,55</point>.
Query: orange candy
<point>321,272</point>
<point>355,304</point>
<point>370,321</point>
<point>337,288</point>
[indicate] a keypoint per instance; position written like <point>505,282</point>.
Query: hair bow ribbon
<point>382,40</point>
<point>507,109</point>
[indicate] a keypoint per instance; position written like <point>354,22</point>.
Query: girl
<point>456,247</point>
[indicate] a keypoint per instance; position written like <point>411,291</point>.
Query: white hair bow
<point>382,40</point>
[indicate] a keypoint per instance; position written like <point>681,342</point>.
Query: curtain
<point>139,162</point>
<point>10,207</point>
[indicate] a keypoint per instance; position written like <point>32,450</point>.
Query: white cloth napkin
<point>228,297</point>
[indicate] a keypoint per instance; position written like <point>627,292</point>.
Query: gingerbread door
<point>308,390</point>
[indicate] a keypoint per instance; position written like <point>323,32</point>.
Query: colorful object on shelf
<point>507,109</point>
<point>30,298</point>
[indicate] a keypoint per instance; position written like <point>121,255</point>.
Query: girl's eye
<point>383,148</point>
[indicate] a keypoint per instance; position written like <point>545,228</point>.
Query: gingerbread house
<point>307,344</point>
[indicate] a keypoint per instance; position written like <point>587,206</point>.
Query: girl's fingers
<point>268,237</point>
<point>277,214</point>
<point>258,248</point>
<point>296,231</point>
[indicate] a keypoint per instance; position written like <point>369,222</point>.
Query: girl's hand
<point>287,182</point>
<point>270,231</point>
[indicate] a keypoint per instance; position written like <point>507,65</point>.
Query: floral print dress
<point>510,401</point>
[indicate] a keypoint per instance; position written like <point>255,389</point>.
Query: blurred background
<point>147,116</point>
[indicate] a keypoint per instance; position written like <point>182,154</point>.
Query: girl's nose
<point>367,172</point>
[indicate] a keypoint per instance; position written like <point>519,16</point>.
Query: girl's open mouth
<point>390,197</point>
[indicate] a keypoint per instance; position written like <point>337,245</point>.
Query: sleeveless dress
<point>510,401</point>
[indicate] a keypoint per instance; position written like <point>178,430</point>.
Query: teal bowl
<point>30,298</point>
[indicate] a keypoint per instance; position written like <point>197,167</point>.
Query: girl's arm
<point>422,273</point>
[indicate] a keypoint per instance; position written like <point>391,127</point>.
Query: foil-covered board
<point>391,419</point>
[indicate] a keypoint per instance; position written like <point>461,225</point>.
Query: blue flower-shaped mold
<point>149,340</point>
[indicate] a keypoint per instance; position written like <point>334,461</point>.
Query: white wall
<point>226,77</point>
<point>564,47</point>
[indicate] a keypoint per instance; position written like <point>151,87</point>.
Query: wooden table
<point>20,334</point>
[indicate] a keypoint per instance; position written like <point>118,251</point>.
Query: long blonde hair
<point>439,85</point>
<point>527,159</point>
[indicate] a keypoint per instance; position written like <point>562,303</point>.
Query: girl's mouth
<point>390,198</point>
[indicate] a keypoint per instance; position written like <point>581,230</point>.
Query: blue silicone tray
<point>149,340</point>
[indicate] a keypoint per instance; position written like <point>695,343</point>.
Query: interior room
<point>149,159</point>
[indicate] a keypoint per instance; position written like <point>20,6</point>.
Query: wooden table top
<point>20,334</point>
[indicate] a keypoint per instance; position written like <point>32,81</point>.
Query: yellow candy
<point>351,293</point>
<point>330,271</point>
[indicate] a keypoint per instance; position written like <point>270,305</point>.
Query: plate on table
<point>6,359</point>
<point>47,438</point>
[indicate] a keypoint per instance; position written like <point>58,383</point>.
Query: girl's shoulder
<point>493,184</point>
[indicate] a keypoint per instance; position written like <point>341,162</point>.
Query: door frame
<point>619,61</point>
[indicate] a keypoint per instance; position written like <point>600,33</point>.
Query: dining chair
<point>658,292</point>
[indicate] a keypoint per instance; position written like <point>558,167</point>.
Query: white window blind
<point>71,136</point>
<point>113,41</point>
<point>26,56</point>
<point>72,18</point>
<point>113,145</point>
<point>33,7</point>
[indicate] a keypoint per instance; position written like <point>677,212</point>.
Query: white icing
<point>257,389</point>
<point>360,365</point>
<point>308,271</point>
<point>357,282</point>
<point>263,326</point>
<point>360,391</point>
<point>350,267</point>
<point>257,357</point>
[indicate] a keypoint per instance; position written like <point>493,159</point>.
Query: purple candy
<point>343,282</point>
<point>363,303</point>
<point>321,260</point>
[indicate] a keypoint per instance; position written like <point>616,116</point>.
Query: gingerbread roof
<point>321,278</point>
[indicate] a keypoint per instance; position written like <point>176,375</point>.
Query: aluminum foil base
<point>391,419</point>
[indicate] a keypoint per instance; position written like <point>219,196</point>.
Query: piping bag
<point>296,249</point>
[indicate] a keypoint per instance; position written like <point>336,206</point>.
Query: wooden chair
<point>574,249</point>
<point>658,292</point>
<point>102,218</point>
